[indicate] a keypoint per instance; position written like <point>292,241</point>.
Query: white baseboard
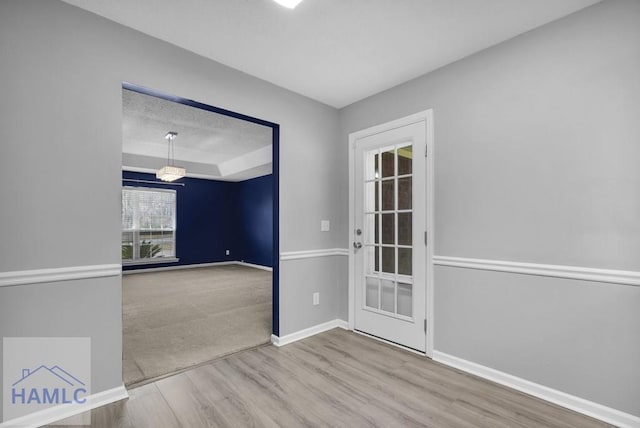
<point>64,411</point>
<point>342,324</point>
<point>252,265</point>
<point>308,332</point>
<point>163,268</point>
<point>195,266</point>
<point>580,405</point>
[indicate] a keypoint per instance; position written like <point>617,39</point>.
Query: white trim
<point>194,266</point>
<point>351,292</point>
<point>57,413</point>
<point>192,175</point>
<point>255,266</point>
<point>308,254</point>
<point>36,276</point>
<point>343,324</point>
<point>423,116</point>
<point>560,398</point>
<point>150,261</point>
<point>307,332</point>
<point>556,271</point>
<point>430,212</point>
<point>163,268</point>
<point>387,126</point>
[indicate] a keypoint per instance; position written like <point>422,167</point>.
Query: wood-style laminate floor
<point>337,378</point>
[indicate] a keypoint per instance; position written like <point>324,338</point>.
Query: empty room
<point>196,251</point>
<point>382,213</point>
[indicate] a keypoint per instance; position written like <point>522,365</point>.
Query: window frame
<point>136,232</point>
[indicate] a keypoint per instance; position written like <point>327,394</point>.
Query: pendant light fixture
<point>170,172</point>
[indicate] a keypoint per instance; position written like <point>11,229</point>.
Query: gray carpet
<point>177,319</point>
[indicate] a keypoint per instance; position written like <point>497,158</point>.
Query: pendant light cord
<point>169,140</point>
<point>173,153</point>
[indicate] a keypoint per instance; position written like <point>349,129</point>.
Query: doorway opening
<point>200,254</point>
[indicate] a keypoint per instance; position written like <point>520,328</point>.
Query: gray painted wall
<point>574,336</point>
<point>536,146</point>
<point>536,153</point>
<point>79,308</point>
<point>62,70</point>
<point>311,274</point>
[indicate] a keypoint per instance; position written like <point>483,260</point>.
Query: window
<point>148,225</point>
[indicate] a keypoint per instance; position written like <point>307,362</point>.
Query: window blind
<point>148,223</point>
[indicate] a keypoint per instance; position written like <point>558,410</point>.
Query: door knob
<point>357,245</point>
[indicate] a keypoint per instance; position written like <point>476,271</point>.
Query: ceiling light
<point>288,3</point>
<point>170,172</point>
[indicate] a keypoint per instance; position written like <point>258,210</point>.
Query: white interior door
<point>389,235</point>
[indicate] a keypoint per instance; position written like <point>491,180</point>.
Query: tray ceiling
<point>209,145</point>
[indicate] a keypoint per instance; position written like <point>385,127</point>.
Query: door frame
<point>275,162</point>
<point>425,116</point>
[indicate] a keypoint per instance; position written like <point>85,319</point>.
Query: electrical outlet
<point>316,299</point>
<point>325,225</point>
<point>227,252</point>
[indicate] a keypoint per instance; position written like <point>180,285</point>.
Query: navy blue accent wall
<point>255,203</point>
<point>215,216</point>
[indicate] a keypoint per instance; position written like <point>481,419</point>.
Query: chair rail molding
<point>611,276</point>
<point>309,254</point>
<point>36,276</point>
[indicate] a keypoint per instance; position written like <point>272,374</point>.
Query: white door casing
<point>391,210</point>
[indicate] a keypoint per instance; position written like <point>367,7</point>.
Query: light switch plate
<point>316,298</point>
<point>325,225</point>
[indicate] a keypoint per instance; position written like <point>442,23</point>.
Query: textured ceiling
<point>210,145</point>
<point>334,51</point>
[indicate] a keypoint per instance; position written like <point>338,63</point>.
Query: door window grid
<point>383,249</point>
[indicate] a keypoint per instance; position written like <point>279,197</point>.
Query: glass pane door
<point>388,219</point>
